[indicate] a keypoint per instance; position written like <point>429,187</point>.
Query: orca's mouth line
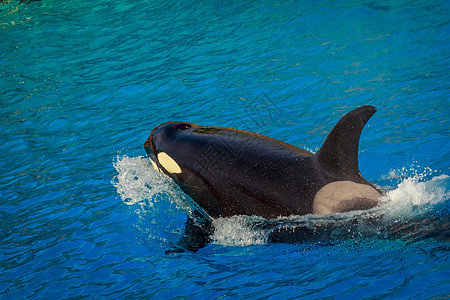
<point>150,148</point>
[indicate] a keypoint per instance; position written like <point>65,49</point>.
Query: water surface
<point>82,212</point>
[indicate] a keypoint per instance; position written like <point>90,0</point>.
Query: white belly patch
<point>342,196</point>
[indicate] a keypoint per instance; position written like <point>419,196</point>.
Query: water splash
<point>403,208</point>
<point>158,198</point>
<point>414,196</point>
<point>239,231</point>
<point>138,183</point>
<point>396,176</point>
<point>160,207</point>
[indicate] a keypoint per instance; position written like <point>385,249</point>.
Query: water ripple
<point>82,84</point>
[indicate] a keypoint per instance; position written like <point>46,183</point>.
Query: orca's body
<point>233,172</point>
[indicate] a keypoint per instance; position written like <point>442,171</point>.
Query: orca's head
<point>169,147</point>
<point>183,151</point>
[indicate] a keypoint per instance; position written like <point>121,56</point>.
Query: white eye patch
<point>168,163</point>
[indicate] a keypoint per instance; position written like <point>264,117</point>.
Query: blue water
<point>82,83</point>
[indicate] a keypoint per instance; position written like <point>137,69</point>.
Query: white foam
<point>414,196</point>
<point>138,183</point>
<point>415,170</point>
<point>160,206</point>
<point>238,231</point>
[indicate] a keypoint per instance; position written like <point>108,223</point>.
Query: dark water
<point>82,212</point>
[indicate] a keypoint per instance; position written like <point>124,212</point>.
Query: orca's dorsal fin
<point>339,152</point>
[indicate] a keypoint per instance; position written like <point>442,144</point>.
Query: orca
<point>231,172</point>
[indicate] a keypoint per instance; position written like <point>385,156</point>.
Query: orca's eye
<point>184,126</point>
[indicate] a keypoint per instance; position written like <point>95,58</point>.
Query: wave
<point>416,208</point>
